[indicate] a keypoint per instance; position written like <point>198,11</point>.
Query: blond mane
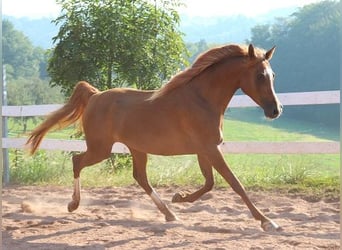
<point>204,61</point>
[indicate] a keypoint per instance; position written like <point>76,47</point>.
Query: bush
<point>43,167</point>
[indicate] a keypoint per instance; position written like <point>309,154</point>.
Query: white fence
<point>304,98</point>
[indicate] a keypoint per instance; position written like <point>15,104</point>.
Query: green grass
<point>316,174</point>
<point>249,124</point>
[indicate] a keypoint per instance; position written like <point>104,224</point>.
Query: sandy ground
<point>125,218</point>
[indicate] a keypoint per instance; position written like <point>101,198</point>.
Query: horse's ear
<point>251,51</point>
<point>269,53</point>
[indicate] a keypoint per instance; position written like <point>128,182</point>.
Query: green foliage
<point>17,51</point>
<point>21,58</point>
<point>118,162</point>
<point>116,43</point>
<point>25,67</point>
<point>40,168</point>
<point>195,49</point>
<point>32,91</point>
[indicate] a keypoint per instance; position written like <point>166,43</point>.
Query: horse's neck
<point>218,85</point>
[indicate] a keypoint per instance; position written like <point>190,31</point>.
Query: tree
<point>195,49</point>
<point>114,43</point>
<point>18,53</point>
<point>25,67</point>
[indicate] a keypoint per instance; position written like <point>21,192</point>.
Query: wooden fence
<point>303,98</point>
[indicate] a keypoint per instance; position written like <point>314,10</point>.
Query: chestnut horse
<point>183,117</point>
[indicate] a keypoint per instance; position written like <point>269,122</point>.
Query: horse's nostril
<point>275,112</point>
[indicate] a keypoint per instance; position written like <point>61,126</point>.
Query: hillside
<point>214,29</point>
<point>39,31</point>
<point>226,29</point>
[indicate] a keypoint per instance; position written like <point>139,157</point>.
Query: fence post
<point>5,161</point>
<point>1,79</point>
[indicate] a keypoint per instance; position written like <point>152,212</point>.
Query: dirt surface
<point>125,218</point>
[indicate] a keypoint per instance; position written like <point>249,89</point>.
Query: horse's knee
<point>135,175</point>
<point>138,177</point>
<point>141,179</point>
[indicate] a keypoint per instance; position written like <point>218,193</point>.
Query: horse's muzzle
<point>273,111</point>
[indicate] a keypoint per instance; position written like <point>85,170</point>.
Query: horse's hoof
<point>180,197</point>
<point>72,206</point>
<point>270,226</point>
<point>177,198</point>
<point>171,217</point>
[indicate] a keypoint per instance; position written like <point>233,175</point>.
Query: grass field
<point>317,174</point>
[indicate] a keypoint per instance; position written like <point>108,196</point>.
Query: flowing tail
<point>71,112</point>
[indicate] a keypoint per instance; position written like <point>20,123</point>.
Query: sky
<point>49,8</point>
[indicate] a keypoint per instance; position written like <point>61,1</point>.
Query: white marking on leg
<point>169,216</point>
<point>156,199</point>
<point>270,226</point>
<point>77,188</point>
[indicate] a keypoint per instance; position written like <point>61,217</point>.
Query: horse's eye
<point>261,77</point>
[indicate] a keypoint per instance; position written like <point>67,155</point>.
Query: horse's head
<point>258,82</point>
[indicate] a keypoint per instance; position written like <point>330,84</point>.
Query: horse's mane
<point>203,62</point>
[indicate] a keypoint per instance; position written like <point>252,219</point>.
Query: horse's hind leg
<point>139,174</point>
<point>207,171</point>
<point>80,161</point>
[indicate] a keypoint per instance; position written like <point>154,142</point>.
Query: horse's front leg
<point>216,158</point>
<point>207,171</point>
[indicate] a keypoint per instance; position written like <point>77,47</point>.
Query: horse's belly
<point>160,144</point>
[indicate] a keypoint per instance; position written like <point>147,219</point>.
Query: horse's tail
<point>71,112</point>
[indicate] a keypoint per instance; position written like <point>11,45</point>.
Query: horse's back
<point>117,98</point>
